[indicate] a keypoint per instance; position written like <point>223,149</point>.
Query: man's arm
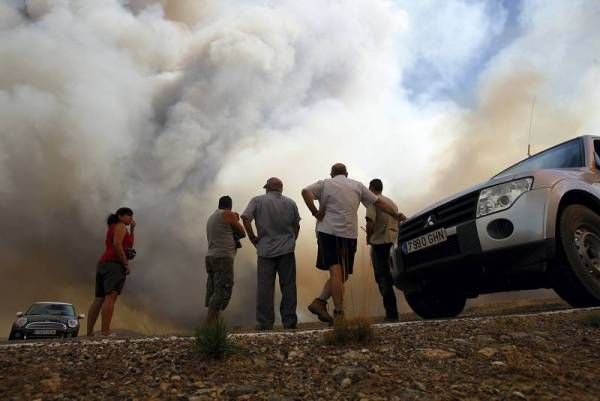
<point>389,209</point>
<point>309,200</point>
<point>370,229</point>
<point>233,219</point>
<point>250,230</point>
<point>370,216</point>
<point>297,219</point>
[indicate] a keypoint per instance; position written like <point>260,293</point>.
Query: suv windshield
<point>51,309</point>
<point>566,155</point>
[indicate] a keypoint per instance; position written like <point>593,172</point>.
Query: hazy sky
<point>164,106</point>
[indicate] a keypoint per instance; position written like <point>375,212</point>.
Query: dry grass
<point>357,330</point>
<point>214,341</point>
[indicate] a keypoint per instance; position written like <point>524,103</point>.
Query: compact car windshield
<point>51,309</point>
<point>567,155</point>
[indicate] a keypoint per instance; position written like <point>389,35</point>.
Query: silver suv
<point>534,225</point>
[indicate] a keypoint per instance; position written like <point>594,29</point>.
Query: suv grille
<point>450,214</point>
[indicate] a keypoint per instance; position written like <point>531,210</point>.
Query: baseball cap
<point>274,184</point>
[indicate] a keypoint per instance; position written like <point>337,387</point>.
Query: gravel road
<point>548,356</point>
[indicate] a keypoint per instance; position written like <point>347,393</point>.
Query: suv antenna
<point>531,126</point>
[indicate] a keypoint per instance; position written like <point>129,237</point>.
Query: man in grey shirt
<point>278,224</point>
<point>221,226</point>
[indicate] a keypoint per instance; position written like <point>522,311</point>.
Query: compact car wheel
<point>435,305</point>
<point>577,278</point>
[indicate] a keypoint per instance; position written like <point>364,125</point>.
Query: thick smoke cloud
<point>107,103</point>
<point>165,105</point>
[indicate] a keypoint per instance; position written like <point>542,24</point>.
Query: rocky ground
<point>540,357</point>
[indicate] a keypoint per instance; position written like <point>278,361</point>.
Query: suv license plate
<point>424,241</point>
<point>44,332</point>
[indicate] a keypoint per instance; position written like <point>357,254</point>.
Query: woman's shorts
<point>110,276</point>
<point>334,250</point>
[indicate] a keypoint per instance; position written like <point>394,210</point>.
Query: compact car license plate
<point>424,241</point>
<point>44,332</point>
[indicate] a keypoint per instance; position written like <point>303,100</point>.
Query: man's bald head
<point>274,184</point>
<point>339,169</point>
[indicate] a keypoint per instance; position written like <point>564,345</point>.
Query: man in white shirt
<point>337,230</point>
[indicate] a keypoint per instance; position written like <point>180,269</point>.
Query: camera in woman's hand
<point>130,253</point>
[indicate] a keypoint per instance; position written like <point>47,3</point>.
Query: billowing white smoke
<point>164,106</point>
<point>106,103</point>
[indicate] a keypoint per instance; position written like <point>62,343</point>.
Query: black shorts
<point>110,276</point>
<point>334,250</point>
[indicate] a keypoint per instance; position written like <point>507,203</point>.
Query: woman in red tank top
<point>112,268</point>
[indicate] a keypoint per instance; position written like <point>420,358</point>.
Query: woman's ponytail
<point>112,219</point>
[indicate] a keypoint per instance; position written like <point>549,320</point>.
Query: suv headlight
<point>502,196</point>
<point>21,322</point>
<point>72,323</point>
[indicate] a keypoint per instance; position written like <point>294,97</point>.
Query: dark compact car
<point>534,225</point>
<point>46,320</point>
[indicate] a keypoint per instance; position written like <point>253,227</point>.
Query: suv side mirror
<point>19,314</point>
<point>82,316</point>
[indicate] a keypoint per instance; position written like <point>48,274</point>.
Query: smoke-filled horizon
<point>164,106</point>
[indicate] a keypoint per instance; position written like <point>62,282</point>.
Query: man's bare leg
<point>336,283</point>
<point>108,308</point>
<point>326,292</point>
<point>93,313</point>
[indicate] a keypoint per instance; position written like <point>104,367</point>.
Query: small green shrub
<point>359,330</point>
<point>592,320</point>
<point>213,341</point>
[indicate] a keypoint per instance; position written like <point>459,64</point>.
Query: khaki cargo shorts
<point>219,282</point>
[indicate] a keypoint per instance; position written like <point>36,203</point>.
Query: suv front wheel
<point>432,304</point>
<point>577,269</point>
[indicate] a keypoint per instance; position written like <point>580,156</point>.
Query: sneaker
<point>391,319</point>
<point>291,327</point>
<point>319,308</point>
<point>264,328</point>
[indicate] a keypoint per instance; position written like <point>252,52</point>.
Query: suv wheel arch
<point>575,271</point>
<point>578,197</point>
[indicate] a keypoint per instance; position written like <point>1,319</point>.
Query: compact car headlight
<point>21,322</point>
<point>502,196</point>
<point>72,323</point>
